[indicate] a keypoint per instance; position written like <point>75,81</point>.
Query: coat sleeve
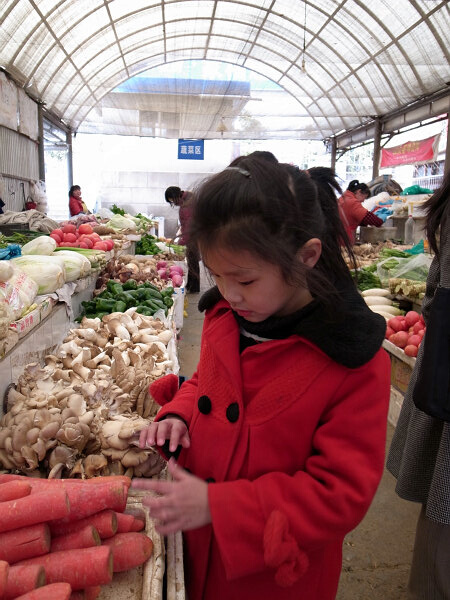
<point>278,518</point>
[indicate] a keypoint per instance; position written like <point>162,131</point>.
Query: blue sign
<point>191,149</point>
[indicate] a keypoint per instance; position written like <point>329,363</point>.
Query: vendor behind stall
<point>352,212</point>
<point>76,204</point>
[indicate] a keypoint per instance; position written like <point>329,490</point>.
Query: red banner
<point>409,153</point>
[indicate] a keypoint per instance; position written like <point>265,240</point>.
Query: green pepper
<point>158,303</point>
<point>105,304</point>
<point>105,294</point>
<point>168,291</point>
<point>120,306</point>
<point>168,301</point>
<point>144,310</point>
<point>116,289</point>
<point>147,284</point>
<point>130,284</point>
<point>89,306</point>
<point>122,297</point>
<point>100,315</point>
<point>155,293</point>
<point>110,284</point>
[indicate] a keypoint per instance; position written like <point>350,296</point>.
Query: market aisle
<point>377,554</point>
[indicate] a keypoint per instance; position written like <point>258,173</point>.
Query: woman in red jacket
<point>280,433</point>
<point>76,204</point>
<point>352,212</point>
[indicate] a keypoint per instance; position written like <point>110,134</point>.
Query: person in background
<point>352,212</point>
<point>280,433</point>
<point>419,456</point>
<point>76,204</point>
<point>176,197</point>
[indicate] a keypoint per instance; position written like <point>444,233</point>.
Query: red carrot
<point>105,522</point>
<point>4,569</point>
<point>53,591</point>
<point>90,593</point>
<point>11,490</point>
<point>86,500</point>
<point>25,542</point>
<point>129,550</point>
<point>126,523</point>
<point>36,481</point>
<point>23,579</point>
<point>36,508</point>
<point>86,537</point>
<point>81,568</point>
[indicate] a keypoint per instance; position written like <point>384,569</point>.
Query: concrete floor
<point>377,554</point>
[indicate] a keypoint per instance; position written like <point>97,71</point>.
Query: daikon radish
<point>105,522</point>
<point>369,300</point>
<point>376,292</point>
<point>386,315</point>
<point>26,542</point>
<point>11,490</point>
<point>53,591</point>
<point>81,568</point>
<point>129,550</point>
<point>32,509</point>
<point>84,538</point>
<point>23,579</point>
<point>392,310</point>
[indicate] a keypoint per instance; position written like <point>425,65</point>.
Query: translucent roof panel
<point>333,64</point>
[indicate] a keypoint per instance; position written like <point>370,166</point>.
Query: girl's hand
<point>172,429</point>
<point>181,504</point>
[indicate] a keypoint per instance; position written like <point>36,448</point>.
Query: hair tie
<point>241,171</point>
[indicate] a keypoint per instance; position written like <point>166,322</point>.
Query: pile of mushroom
<point>80,415</point>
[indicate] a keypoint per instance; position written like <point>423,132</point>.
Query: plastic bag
<point>415,268</point>
<point>19,292</point>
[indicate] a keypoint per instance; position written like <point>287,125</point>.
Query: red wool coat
<point>292,444</point>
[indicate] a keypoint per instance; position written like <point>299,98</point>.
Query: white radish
<point>392,310</point>
<point>370,300</point>
<point>376,292</point>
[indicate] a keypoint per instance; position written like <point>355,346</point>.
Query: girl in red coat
<point>279,436</point>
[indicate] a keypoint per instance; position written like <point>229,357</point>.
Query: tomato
<point>411,350</point>
<point>389,332</point>
<point>83,245</point>
<point>57,238</point>
<point>69,228</point>
<point>414,340</point>
<point>85,228</point>
<point>69,237</point>
<point>100,246</point>
<point>400,339</point>
<point>397,323</point>
<point>109,242</point>
<point>58,232</point>
<point>412,317</point>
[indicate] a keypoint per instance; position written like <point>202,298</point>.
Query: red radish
<point>85,228</point>
<point>26,542</point>
<point>411,350</point>
<point>4,569</point>
<point>13,490</point>
<point>53,591</point>
<point>129,550</point>
<point>35,508</point>
<point>105,522</point>
<point>81,568</point>
<point>23,579</point>
<point>126,523</point>
<point>412,317</point>
<point>69,228</point>
<point>83,538</point>
<point>400,339</point>
<point>414,340</point>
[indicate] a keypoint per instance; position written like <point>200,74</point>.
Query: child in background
<point>280,433</point>
<point>76,204</point>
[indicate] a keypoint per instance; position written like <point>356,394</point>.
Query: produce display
<point>406,332</point>
<point>148,244</point>
<point>84,236</point>
<point>66,538</point>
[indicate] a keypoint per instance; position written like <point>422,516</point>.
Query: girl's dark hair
<point>272,210</point>
<point>73,188</point>
<point>355,185</point>
<point>172,193</point>
<point>263,155</point>
<point>437,208</point>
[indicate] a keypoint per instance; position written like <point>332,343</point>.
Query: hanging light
<point>303,67</point>
<point>221,127</point>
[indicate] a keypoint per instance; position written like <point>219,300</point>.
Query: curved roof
<point>362,58</point>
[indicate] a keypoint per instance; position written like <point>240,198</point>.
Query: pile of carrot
<point>62,539</point>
